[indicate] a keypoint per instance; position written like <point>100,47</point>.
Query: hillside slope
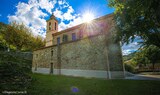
<point>15,69</point>
<point>18,57</point>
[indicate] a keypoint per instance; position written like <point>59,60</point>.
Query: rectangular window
<point>55,26</point>
<point>73,36</point>
<point>58,40</point>
<point>65,38</point>
<point>52,53</point>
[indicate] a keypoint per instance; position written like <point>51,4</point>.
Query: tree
<point>153,54</point>
<point>2,43</point>
<point>147,55</point>
<point>137,18</point>
<point>140,58</point>
<point>9,36</point>
<point>20,37</point>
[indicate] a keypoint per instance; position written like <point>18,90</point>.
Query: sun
<point>87,17</point>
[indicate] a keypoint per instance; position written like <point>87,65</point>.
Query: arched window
<point>49,25</point>
<point>55,27</point>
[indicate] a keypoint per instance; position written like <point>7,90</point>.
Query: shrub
<point>14,76</point>
<point>129,68</point>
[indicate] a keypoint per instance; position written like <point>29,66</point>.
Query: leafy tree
<point>140,58</point>
<point>147,55</point>
<point>20,37</point>
<point>137,18</point>
<point>2,43</point>
<point>153,54</point>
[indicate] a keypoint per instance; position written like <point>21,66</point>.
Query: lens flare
<point>87,17</point>
<point>74,89</point>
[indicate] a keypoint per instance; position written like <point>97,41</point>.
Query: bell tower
<point>52,27</point>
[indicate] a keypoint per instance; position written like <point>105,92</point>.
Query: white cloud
<point>132,47</point>
<point>68,15</point>
<point>77,20</point>
<point>62,26</point>
<point>58,14</point>
<point>63,4</point>
<point>48,5</point>
<point>73,22</point>
<point>33,14</point>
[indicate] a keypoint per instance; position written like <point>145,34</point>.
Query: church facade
<point>85,50</point>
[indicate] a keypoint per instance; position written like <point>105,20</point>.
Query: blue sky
<point>34,13</point>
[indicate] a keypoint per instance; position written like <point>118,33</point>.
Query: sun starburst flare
<point>88,17</point>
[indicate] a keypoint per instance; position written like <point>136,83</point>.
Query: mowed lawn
<point>65,85</point>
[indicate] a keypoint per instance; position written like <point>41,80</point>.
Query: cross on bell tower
<point>52,27</point>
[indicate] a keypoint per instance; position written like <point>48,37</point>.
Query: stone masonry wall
<point>91,53</point>
<point>86,54</point>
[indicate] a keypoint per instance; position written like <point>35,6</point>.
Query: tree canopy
<point>19,37</point>
<point>147,55</point>
<point>137,18</point>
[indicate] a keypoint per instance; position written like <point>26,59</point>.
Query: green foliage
<point>153,54</point>
<point>129,68</point>
<point>140,58</point>
<point>137,18</point>
<point>129,63</point>
<point>15,69</point>
<point>14,76</point>
<point>145,55</point>
<point>2,43</point>
<point>129,56</point>
<point>19,37</point>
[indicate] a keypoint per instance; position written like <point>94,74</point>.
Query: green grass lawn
<point>64,85</point>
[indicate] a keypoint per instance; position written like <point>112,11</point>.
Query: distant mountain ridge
<point>129,56</point>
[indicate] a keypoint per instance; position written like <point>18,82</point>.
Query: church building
<point>85,50</point>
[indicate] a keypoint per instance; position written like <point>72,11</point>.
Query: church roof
<point>80,25</point>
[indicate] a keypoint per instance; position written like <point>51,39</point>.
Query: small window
<point>58,40</point>
<point>52,53</point>
<point>65,38</point>
<point>73,36</point>
<point>55,25</point>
